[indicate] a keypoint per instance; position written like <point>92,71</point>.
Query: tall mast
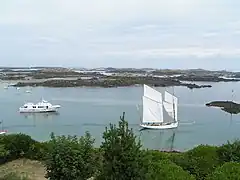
<point>139,112</point>
<point>173,106</point>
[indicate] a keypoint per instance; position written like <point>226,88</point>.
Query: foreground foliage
<point>199,161</point>
<point>229,171</point>
<point>121,157</point>
<point>70,158</point>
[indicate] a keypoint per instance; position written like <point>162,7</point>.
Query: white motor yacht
<point>40,107</point>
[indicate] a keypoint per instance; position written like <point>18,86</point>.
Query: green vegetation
<point>228,171</point>
<point>72,153</point>
<point>120,157</point>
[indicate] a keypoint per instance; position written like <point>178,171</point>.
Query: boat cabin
<point>37,106</point>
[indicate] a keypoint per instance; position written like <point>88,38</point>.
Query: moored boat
<point>40,107</point>
<point>2,131</point>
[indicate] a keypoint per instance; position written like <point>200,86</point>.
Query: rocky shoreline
<point>63,77</point>
<point>109,83</point>
<point>227,106</point>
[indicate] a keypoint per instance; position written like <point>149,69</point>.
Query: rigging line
<point>1,122</point>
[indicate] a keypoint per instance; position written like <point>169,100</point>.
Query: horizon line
<point>108,67</point>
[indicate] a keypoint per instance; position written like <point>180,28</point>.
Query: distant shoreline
<point>110,77</point>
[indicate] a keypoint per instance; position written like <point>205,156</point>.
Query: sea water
<point>92,109</point>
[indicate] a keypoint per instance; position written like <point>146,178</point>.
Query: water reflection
<point>33,119</point>
<point>158,139</point>
<point>49,115</point>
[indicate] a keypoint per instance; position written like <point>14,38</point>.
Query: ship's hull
<point>36,110</point>
<point>164,126</point>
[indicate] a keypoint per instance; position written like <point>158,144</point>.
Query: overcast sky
<point>121,33</point>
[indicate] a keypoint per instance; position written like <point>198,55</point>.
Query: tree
<point>122,155</point>
<point>70,158</point>
<point>228,171</point>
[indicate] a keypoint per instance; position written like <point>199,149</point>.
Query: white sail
<point>168,116</point>
<point>152,111</point>
<point>152,93</point>
<point>169,98</point>
<point>170,104</point>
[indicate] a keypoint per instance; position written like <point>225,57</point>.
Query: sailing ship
<point>159,109</point>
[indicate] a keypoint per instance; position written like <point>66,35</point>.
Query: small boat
<point>159,110</point>
<point>28,91</point>
<point>40,107</point>
<point>2,131</point>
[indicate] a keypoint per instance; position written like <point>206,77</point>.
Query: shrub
<point>199,161</point>
<point>70,158</point>
<point>228,171</point>
<point>167,170</point>
<point>122,155</point>
<point>38,151</point>
<point>229,152</point>
<point>17,145</point>
<point>155,155</point>
<point>3,154</point>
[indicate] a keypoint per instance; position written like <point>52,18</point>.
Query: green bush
<point>70,158</point>
<point>199,161</point>
<point>167,170</point>
<point>3,154</point>
<point>155,155</point>
<point>229,152</point>
<point>38,151</point>
<point>17,145</point>
<point>228,171</point>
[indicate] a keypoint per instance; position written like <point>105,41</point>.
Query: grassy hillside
<point>33,170</point>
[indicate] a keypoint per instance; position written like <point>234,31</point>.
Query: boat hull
<point>165,126</point>
<point>23,110</point>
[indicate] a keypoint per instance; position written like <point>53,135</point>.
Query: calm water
<point>91,109</point>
